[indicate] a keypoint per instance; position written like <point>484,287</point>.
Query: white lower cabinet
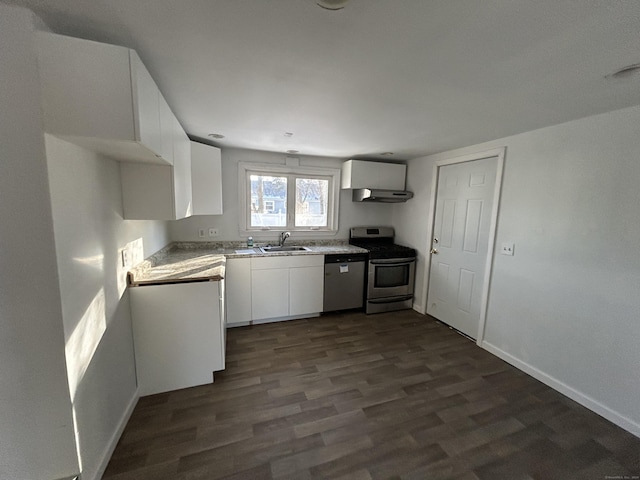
<point>286,286</point>
<point>179,334</point>
<point>306,289</point>
<point>237,278</point>
<point>269,293</point>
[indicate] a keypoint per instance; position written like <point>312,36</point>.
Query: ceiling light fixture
<point>332,4</point>
<point>386,153</point>
<point>293,151</point>
<point>216,135</point>
<point>288,134</point>
<point>625,72</point>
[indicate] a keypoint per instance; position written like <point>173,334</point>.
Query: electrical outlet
<point>507,249</point>
<point>213,232</point>
<point>201,232</point>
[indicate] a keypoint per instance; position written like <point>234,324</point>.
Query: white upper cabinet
<point>159,192</point>
<point>102,97</point>
<point>364,174</point>
<point>167,129</point>
<point>182,188</point>
<point>206,179</point>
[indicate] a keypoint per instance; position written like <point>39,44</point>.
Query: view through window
<point>292,201</point>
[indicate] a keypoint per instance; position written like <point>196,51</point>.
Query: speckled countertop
<point>201,261</point>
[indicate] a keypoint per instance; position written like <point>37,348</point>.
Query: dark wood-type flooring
<point>350,396</point>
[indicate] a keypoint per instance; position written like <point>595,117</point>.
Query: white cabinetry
<point>286,286</point>
<point>179,334</point>
<point>363,174</point>
<point>102,97</point>
<point>206,179</point>
<point>238,281</point>
<point>269,293</point>
<point>159,192</point>
<point>306,289</point>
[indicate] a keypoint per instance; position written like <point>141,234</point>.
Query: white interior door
<point>460,243</point>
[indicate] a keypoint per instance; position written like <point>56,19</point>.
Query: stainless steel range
<point>391,269</point>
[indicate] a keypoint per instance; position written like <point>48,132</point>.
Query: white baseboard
<point>573,394</point>
<point>111,446</point>
<point>419,308</point>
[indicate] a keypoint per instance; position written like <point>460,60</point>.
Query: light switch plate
<point>507,249</point>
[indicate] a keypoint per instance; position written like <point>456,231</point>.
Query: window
<point>277,197</point>
<point>269,206</point>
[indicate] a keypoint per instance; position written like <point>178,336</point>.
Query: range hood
<point>378,195</point>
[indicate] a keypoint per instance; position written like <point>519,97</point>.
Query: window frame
<point>245,169</point>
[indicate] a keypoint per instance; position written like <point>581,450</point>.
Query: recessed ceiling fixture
<point>332,4</point>
<point>288,134</point>
<point>216,135</point>
<point>625,72</point>
<point>386,153</point>
<point>293,151</point>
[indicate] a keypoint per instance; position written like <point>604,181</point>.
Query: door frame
<point>500,154</point>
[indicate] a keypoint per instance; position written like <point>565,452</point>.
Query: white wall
<point>36,425</point>
<point>351,214</point>
<point>566,307</point>
<point>90,233</point>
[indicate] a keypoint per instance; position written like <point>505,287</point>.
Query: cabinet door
<point>238,283</point>
<point>306,285</point>
<point>167,125</point>
<point>146,101</point>
<point>206,179</point>
<point>181,172</point>
<point>269,293</point>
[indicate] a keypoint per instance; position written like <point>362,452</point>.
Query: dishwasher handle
<point>345,258</point>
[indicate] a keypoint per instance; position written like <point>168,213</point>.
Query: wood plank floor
<point>350,396</point>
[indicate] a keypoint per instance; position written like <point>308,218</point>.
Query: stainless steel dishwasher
<point>344,277</point>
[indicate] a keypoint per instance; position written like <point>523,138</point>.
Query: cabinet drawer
<point>265,263</point>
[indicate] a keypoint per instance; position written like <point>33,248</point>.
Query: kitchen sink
<point>286,248</point>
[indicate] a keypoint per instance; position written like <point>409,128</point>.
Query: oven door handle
<point>401,298</point>
<point>393,261</point>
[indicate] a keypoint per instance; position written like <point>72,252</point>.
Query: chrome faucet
<point>283,237</point>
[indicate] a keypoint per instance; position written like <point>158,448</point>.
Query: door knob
<point>433,251</point>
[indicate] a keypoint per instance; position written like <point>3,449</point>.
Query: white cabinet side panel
<point>86,87</point>
<point>206,178</point>
<point>147,191</point>
<point>176,335</point>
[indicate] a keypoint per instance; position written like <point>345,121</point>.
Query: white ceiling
<point>412,77</point>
